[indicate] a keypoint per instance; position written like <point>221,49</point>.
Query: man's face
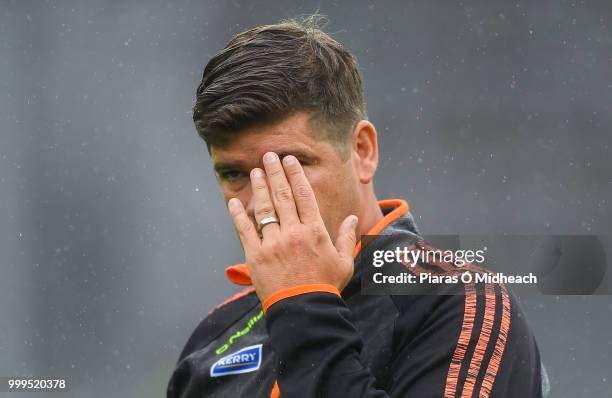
<point>333,179</point>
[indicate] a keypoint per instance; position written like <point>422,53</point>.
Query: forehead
<point>292,135</point>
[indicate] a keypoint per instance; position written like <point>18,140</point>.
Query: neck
<point>370,215</point>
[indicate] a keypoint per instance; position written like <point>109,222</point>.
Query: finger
<point>282,196</point>
<point>262,203</point>
<point>303,195</point>
<point>244,226</point>
<point>347,237</point>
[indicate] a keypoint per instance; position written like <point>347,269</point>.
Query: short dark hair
<point>269,72</point>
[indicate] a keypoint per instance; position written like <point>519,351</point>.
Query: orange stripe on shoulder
<point>469,314</point>
<point>235,297</point>
<point>484,338</point>
<point>500,345</point>
<point>483,341</point>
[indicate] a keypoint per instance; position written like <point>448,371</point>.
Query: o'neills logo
<point>246,360</point>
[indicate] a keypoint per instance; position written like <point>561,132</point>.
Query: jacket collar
<point>393,209</point>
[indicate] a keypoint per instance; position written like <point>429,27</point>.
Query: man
<point>282,112</point>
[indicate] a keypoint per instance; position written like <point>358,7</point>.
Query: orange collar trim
<point>239,273</point>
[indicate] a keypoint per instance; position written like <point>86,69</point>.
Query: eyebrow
<point>298,153</point>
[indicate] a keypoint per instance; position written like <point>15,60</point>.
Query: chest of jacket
<point>240,361</point>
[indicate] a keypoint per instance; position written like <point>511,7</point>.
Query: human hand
<point>298,249</point>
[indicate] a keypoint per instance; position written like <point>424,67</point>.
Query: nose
<point>246,197</point>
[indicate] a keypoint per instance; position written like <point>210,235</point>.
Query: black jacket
<point>317,344</point>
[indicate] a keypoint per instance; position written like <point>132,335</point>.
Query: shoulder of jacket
<point>219,319</point>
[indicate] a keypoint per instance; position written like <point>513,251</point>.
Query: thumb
<point>347,237</point>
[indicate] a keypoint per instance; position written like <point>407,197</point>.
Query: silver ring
<point>268,220</point>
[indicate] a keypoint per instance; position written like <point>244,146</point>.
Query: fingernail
<point>354,221</point>
<point>257,172</point>
<point>270,157</point>
<point>233,202</point>
<point>289,160</point>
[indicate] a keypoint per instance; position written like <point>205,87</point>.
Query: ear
<point>364,149</point>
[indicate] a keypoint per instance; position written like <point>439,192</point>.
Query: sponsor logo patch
<point>246,360</point>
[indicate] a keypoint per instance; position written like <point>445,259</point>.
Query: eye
<point>232,175</point>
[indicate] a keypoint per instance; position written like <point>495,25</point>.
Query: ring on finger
<point>268,220</point>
